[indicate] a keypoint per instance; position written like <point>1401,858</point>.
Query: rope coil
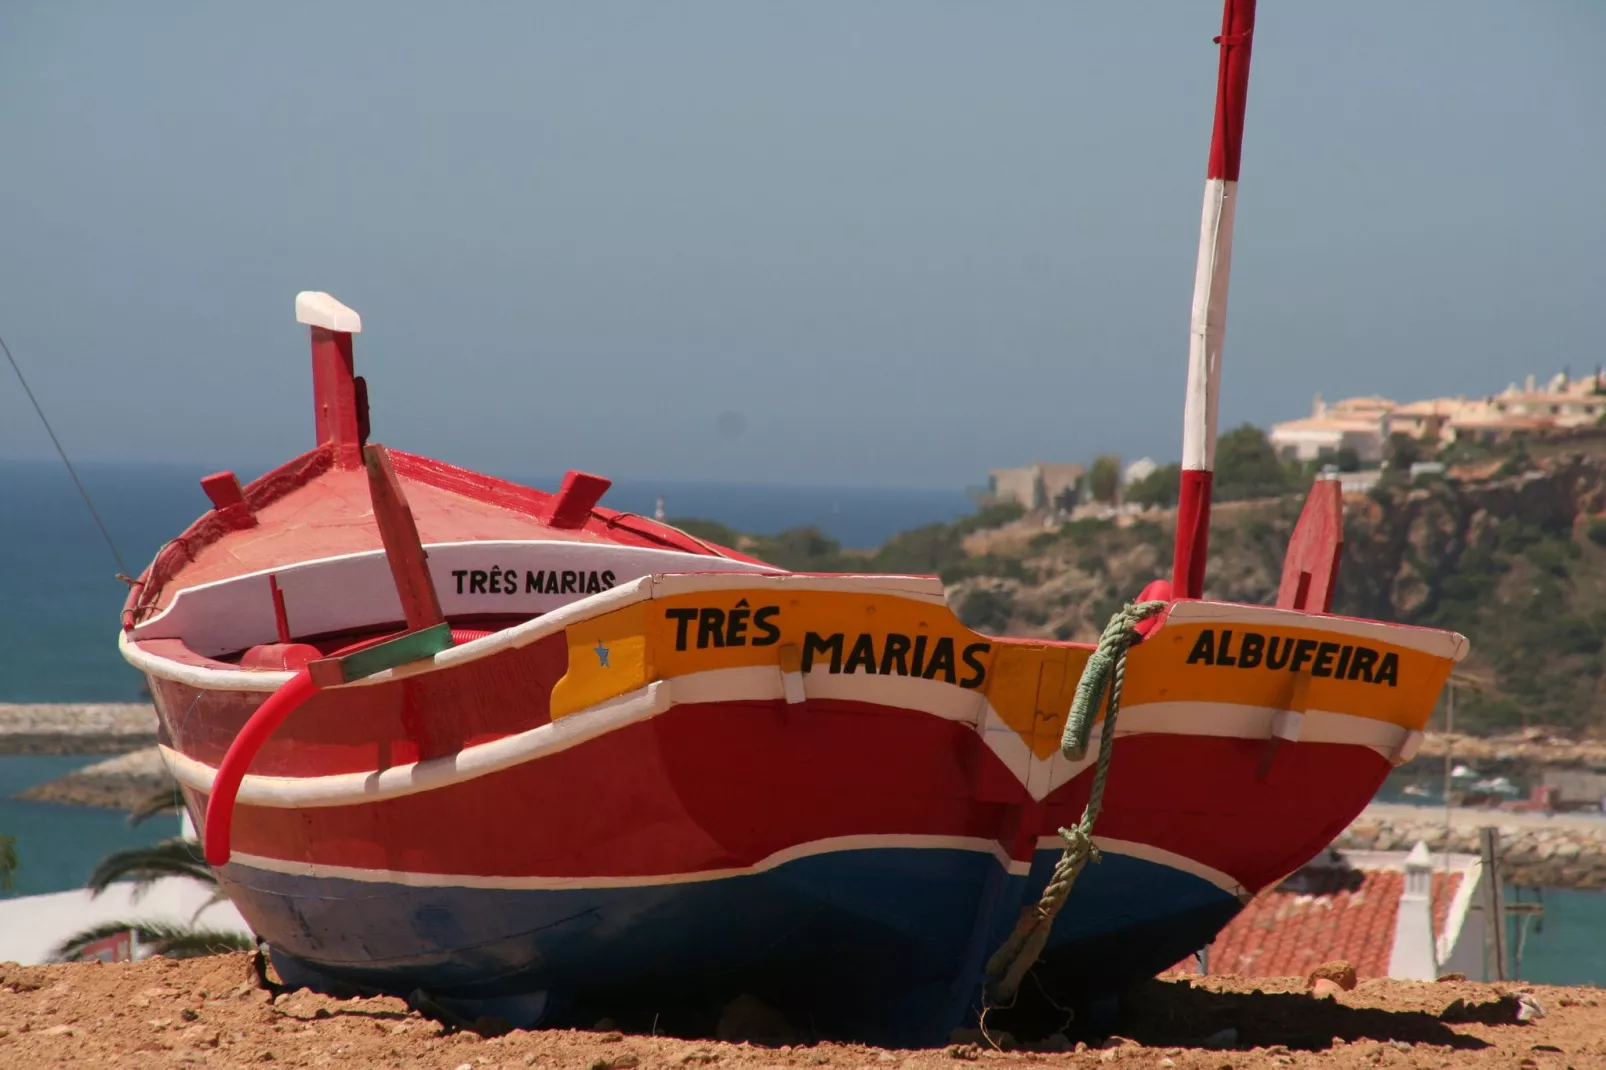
<point>1105,675</point>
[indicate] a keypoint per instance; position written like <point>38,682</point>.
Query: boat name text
<point>536,581</point>
<point>725,627</point>
<point>1338,661</point>
<point>899,656</point>
<point>892,654</point>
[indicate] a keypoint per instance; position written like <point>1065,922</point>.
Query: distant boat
<point>532,755</point>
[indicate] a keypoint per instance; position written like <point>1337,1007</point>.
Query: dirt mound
<point>212,1012</point>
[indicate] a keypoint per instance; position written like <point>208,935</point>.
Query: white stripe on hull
<point>833,845</point>
<point>758,684</point>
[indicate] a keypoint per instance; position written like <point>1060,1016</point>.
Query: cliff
<point>1513,556</point>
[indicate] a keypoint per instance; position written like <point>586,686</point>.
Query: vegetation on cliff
<point>1511,554</point>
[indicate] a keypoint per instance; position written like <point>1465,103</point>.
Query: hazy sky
<point>905,241</point>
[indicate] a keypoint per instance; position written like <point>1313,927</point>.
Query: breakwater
<point>76,728</point>
<point>1537,851</point>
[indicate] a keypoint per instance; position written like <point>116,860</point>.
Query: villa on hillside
<point>1364,424</point>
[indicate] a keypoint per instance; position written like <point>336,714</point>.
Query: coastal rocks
<point>119,783</point>
<point>76,728</point>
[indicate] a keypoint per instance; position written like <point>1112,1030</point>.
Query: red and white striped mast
<point>1209,324</point>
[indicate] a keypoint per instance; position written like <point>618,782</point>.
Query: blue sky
<point>903,241</point>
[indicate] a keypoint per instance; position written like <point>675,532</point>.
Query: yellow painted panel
<point>1254,665</point>
<point>1013,689</point>
<point>1062,671</point>
<point>608,657</point>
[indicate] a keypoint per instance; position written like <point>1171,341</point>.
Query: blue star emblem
<point>602,654</point>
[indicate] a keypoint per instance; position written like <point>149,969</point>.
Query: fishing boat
<point>529,755</point>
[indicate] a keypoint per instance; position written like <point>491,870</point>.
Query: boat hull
<point>851,845</point>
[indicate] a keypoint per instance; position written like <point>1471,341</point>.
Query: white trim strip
<point>355,789</point>
<point>1208,324</point>
<point>833,845</point>
<point>766,683</point>
<point>919,588</point>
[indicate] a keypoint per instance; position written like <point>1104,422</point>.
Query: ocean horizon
<point>58,585</point>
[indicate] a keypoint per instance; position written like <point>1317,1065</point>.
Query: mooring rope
<point>1105,674</point>
<point>83,491</point>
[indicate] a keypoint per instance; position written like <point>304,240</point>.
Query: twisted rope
<point>1105,674</point>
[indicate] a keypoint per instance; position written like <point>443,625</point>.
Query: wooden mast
<point>1209,321</point>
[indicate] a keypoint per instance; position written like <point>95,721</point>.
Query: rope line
<point>1105,675</point>
<point>82,490</point>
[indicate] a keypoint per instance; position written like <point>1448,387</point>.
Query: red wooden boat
<point>529,754</point>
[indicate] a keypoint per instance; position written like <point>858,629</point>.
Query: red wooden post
<point>337,402</point>
<point>1310,568</point>
<point>405,552</point>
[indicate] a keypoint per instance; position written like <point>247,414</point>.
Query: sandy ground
<point>211,1012</point>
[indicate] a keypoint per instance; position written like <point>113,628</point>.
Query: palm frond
<point>168,800</point>
<point>176,857</point>
<point>8,861</point>
<point>163,938</point>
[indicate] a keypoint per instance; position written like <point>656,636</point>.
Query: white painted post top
<point>1419,858</point>
<point>317,309</point>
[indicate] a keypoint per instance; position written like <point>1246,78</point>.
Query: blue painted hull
<point>885,945</point>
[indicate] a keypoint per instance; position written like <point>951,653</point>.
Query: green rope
<point>1105,674</point>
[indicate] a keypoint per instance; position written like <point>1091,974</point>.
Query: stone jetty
<point>1537,850</point>
<point>76,728</point>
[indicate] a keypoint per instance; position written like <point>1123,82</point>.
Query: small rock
<point>61,1031</point>
<point>189,1014</point>
<point>465,1066</point>
<point>1402,1045</point>
<point>202,1036</point>
<point>886,1057</point>
<point>1528,1008</point>
<point>610,1037</point>
<point>1546,1047</point>
<point>531,1059</point>
<point>1324,988</point>
<point>623,1061</point>
<point>1116,1042</point>
<point>1445,977</point>
<point>699,1056</point>
<point>1168,1062</point>
<point>1338,971</point>
<point>963,1051</point>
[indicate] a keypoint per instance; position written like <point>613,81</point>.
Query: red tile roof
<point>1335,915</point>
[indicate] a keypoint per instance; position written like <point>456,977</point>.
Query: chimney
<point>1413,957</point>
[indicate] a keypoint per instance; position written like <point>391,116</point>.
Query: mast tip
<point>317,309</point>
